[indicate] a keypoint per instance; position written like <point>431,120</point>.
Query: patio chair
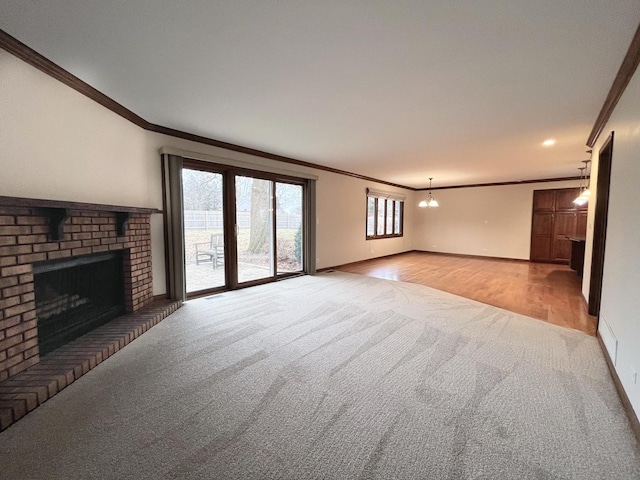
<point>211,251</point>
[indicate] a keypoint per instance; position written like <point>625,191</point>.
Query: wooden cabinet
<point>564,226</point>
<point>544,201</point>
<point>541,234</point>
<point>581,225</point>
<point>555,218</point>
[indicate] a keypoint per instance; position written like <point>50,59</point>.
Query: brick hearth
<point>29,389</point>
<point>34,231</point>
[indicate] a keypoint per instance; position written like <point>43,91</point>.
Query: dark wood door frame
<point>600,225</point>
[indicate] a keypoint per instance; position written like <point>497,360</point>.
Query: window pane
<point>381,217</point>
<point>254,220</point>
<point>203,230</point>
<point>389,217</point>
<point>289,227</point>
<point>396,227</point>
<point>371,212</point>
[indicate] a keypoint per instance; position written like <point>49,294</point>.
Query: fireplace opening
<point>75,296</point>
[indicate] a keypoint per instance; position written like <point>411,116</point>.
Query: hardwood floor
<point>548,292</point>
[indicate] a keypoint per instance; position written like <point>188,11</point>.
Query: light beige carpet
<point>336,376</point>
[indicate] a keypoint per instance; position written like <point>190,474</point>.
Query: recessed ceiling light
<point>549,142</point>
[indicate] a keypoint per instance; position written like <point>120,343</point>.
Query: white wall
<point>620,306</point>
<point>341,207</point>
<point>57,144</point>
<point>487,221</point>
<point>341,217</point>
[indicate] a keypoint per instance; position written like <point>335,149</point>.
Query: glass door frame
<point>222,170</point>
<point>229,174</point>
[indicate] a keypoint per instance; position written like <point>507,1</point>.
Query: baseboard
<point>324,269</point>
<point>481,257</point>
<point>556,262</point>
<point>626,404</point>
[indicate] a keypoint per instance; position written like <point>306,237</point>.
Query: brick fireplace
<point>35,232</point>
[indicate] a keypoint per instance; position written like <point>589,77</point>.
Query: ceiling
<point>461,91</point>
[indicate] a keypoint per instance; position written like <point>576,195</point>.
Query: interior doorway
<point>600,225</point>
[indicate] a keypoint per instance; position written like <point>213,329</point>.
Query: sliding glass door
<point>289,238</point>
<point>269,228</point>
<point>240,228</point>
<point>254,228</point>
<point>204,227</point>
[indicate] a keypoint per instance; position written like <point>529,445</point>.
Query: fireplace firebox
<point>74,296</point>
<point>66,270</point>
<point>56,241</point>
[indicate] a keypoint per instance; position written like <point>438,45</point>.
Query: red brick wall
<point>25,237</point>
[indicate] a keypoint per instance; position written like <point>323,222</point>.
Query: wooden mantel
<point>58,211</point>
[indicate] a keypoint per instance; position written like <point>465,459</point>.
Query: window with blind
<point>384,215</point>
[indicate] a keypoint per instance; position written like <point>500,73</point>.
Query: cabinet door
<point>564,225</point>
<point>565,198</point>
<point>581,224</point>
<point>544,200</point>
<point>541,235</point>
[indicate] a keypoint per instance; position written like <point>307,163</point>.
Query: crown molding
<point>623,77</point>
<point>500,184</point>
<point>35,59</point>
<point>262,154</point>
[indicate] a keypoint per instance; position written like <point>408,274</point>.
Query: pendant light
<point>585,192</point>
<point>581,200</point>
<point>587,179</point>
<point>430,202</point>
